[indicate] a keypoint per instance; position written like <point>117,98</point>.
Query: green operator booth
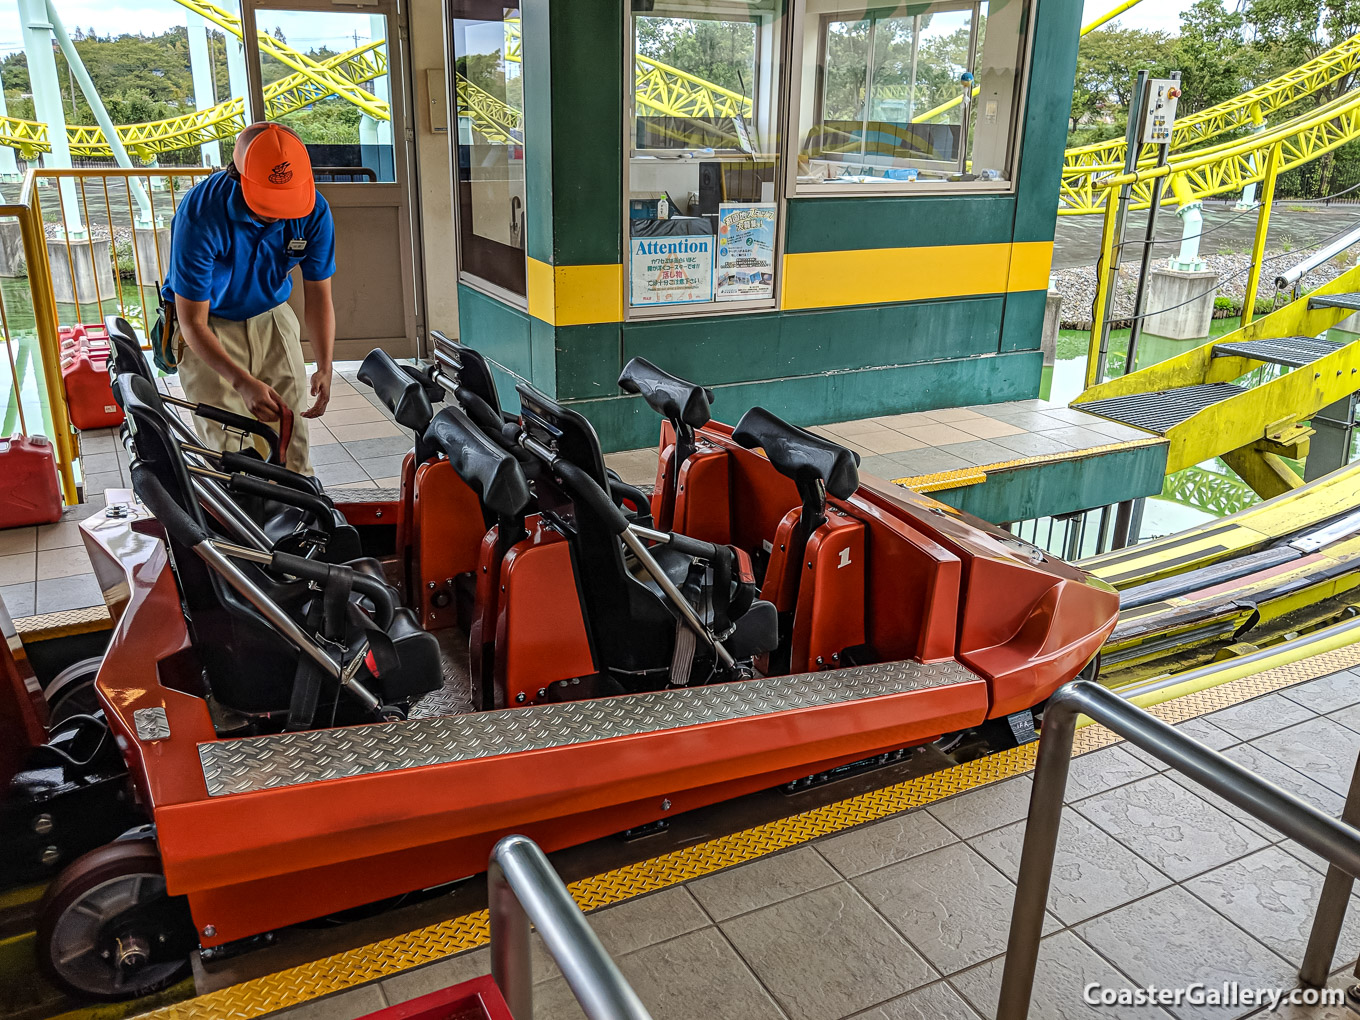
<point>830,209</point>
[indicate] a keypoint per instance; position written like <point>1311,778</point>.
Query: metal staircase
<point>1203,405</point>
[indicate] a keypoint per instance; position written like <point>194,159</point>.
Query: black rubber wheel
<point>107,930</point>
<point>72,692</point>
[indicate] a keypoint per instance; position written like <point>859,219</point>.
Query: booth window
<point>914,97</point>
<point>701,184</point>
<point>488,87</point>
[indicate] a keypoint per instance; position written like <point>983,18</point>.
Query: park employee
<point>235,238</point>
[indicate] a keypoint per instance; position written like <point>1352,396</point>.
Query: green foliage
<point>1108,62</point>
<point>722,52</point>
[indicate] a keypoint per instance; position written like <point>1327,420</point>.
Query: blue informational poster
<point>745,251</point>
<point>672,270</point>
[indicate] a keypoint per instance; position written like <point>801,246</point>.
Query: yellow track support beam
<point>1262,410</point>
<point>1250,108</point>
<point>1266,472</point>
<point>1266,197</point>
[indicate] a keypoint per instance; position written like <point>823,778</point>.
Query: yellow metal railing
<point>106,206</point>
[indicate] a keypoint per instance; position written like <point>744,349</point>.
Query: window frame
<point>794,65</point>
<point>779,38</point>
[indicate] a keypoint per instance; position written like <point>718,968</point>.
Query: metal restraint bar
<point>523,888</point>
<point>1333,840</point>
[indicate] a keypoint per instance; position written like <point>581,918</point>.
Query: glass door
<point>334,74</point>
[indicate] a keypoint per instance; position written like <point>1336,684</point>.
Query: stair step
<point>1293,351</point>
<point>1351,301</point>
<point>1160,410</point>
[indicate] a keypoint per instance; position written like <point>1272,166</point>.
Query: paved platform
<point>1035,458</point>
<point>907,916</point>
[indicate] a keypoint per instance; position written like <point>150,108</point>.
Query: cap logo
<point>281,174</point>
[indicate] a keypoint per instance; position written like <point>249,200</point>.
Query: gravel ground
<point>1078,285</point>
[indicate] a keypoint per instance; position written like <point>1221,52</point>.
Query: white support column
<point>42,73</point>
<point>200,67</point>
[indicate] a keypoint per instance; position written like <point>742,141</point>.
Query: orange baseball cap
<point>276,172</point>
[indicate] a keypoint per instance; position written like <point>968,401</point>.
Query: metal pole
<point>1145,262</point>
<point>1132,147</point>
<point>1258,248</point>
<point>522,887</point>
<point>1331,911</point>
<point>1123,516</point>
<point>1335,841</point>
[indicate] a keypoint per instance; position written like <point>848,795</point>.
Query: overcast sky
<point>113,16</point>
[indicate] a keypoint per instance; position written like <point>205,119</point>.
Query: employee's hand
<point>321,391</point>
<point>260,399</point>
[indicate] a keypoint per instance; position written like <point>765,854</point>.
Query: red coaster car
<point>298,743</point>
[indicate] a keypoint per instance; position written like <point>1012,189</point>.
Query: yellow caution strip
<point>64,624</point>
<point>426,945</point>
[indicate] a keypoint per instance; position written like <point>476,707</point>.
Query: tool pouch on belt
<point>164,336</point>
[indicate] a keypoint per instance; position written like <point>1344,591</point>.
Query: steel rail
<point>1335,841</point>
<point>523,888</point>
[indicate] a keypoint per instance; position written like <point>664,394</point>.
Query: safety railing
<point>522,888</point>
<point>93,242</point>
<point>1336,841</point>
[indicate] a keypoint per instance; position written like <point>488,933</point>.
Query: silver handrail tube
<point>523,888</point>
<point>1293,274</point>
<point>1335,841</point>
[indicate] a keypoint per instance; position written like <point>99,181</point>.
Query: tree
<point>1108,62</point>
<point>1215,60</point>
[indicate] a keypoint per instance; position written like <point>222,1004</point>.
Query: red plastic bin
<point>31,494</point>
<point>478,999</point>
<point>85,373</point>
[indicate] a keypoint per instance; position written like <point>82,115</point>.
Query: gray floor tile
<point>1322,749</point>
<point>951,905</point>
<point>928,460</point>
<point>882,843</point>
<point>1073,416</point>
<point>350,1005</point>
<point>96,463</point>
<point>1092,872</point>
<point>1273,895</point>
<point>1032,421</point>
<point>1077,437</point>
<point>1067,967</point>
<point>97,482</point>
<point>1103,770</point>
<point>1348,717</point>
<point>385,446</point>
<point>1166,824</point>
<point>1326,694</point>
<point>60,536</point>
<point>341,473</point>
<point>664,977</point>
<point>1172,939</point>
<point>883,467</point>
<point>760,883</point>
<point>1231,810</point>
<point>933,1002</point>
<point>382,467</point>
<point>1304,1012</point>
<point>827,954</point>
<point>633,925</point>
<point>19,599</point>
<point>1289,779</point>
<point>1259,716</point>
<point>982,451</point>
<point>58,594</point>
<point>1032,445</point>
<point>988,808</point>
<point>433,977</point>
<point>330,453</point>
<point>97,441</point>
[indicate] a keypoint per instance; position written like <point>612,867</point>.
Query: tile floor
<point>907,917</point>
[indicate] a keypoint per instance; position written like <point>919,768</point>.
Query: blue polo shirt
<point>221,254</point>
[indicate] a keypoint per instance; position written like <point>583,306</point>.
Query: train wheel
<point>72,692</point>
<point>108,930</point>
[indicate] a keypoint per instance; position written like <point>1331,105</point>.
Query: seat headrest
<point>799,454</point>
<point>491,471</point>
<point>668,395</point>
<point>404,394</point>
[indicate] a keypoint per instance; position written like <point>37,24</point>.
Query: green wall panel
<point>588,360</point>
<point>499,331</point>
<point>1049,105</point>
<point>903,221</point>
<point>1024,320</point>
<point>626,423</point>
<point>1063,487</point>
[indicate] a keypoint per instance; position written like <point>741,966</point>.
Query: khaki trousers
<point>268,347</point>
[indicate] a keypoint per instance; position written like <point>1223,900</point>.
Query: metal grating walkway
<point>1160,410</point>
<point>1293,351</point>
<point>1351,301</point>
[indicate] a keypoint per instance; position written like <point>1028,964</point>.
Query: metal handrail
<point>522,887</point>
<point>1333,840</point>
